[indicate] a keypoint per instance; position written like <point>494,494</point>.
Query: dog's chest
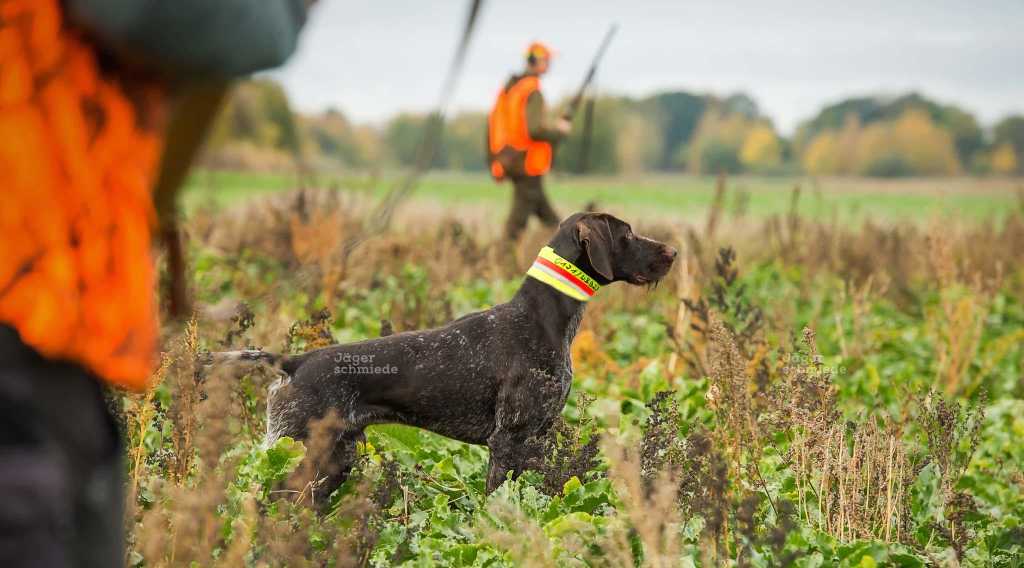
<point>550,377</point>
<point>570,335</point>
<point>563,370</point>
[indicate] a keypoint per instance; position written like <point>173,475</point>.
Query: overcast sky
<point>373,59</point>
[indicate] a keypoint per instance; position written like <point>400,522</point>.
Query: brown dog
<point>497,377</point>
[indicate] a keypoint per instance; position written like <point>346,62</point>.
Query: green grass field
<point>689,197</point>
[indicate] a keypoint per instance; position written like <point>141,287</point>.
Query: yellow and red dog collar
<point>562,275</point>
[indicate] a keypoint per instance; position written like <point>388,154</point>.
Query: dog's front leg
<point>510,452</point>
<point>519,418</point>
<point>503,459</point>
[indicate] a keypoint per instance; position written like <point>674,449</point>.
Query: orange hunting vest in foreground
<point>511,148</point>
<point>78,159</point>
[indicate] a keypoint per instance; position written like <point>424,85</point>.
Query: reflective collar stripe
<point>567,276</point>
<point>562,275</point>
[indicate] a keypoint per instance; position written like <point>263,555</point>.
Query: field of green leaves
<point>798,392</point>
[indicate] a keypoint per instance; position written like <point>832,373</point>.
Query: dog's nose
<point>671,253</point>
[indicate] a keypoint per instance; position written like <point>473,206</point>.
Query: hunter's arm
<point>536,120</point>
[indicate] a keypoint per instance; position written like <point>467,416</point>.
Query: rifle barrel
<point>589,77</point>
<point>604,45</point>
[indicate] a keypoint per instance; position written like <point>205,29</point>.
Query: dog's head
<point>606,248</point>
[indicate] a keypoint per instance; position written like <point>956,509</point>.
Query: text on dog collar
<point>562,275</point>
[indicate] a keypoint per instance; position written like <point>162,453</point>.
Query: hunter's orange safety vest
<point>507,129</point>
<point>79,152</point>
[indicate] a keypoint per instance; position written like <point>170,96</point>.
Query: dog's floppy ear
<point>596,237</point>
<point>566,240</point>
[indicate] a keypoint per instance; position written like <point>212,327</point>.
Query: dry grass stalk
<point>791,250</point>
<point>730,394</point>
<point>852,482</point>
<point>862,301</point>
<point>519,536</point>
<point>243,529</point>
<point>715,211</point>
<point>185,399</point>
<point>320,236</point>
<point>138,419</point>
<point>317,463</point>
<point>649,508</point>
<point>312,333</point>
<point>183,526</point>
<point>686,291</point>
<point>959,321</point>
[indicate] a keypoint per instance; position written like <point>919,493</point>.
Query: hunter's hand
<point>563,126</point>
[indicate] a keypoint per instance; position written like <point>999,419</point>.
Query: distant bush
<point>1009,135</point>
<point>909,135</point>
<point>762,149</point>
<point>717,157</point>
<point>1004,160</point>
<point>890,165</point>
<point>910,144</point>
<point>715,147</point>
<point>464,142</point>
<point>967,135</point>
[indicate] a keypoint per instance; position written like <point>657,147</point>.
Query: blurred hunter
<point>520,140</point>
<point>102,105</point>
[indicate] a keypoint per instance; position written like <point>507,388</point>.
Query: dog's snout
<point>670,253</point>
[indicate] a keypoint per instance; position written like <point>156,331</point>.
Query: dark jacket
<point>216,38</point>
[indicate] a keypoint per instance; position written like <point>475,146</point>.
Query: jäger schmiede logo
<point>360,364</point>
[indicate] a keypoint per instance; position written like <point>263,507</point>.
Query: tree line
<point>909,135</point>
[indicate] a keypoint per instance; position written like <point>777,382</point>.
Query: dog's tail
<point>287,363</point>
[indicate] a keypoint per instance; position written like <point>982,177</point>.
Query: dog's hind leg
<point>337,467</point>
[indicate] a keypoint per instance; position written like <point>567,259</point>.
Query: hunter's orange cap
<point>538,50</point>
